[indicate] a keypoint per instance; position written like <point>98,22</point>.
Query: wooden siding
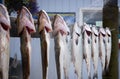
<point>68,5</point>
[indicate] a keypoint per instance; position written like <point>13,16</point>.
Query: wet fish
<point>26,27</point>
<point>108,47</point>
<point>77,54</point>
<point>87,47</point>
<point>102,47</point>
<point>4,42</point>
<point>95,50</point>
<point>44,27</point>
<point>62,54</point>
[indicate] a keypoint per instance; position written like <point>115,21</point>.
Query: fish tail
<point>44,61</point>
<point>44,65</point>
<point>26,66</point>
<point>57,57</point>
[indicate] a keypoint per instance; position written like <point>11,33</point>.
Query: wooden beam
<point>110,19</point>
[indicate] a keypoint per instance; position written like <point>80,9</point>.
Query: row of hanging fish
<point>90,43</point>
<point>85,42</point>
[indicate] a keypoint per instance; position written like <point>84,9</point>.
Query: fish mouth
<point>25,20</point>
<point>4,26</point>
<point>4,18</point>
<point>108,31</point>
<point>88,32</point>
<point>95,31</point>
<point>95,34</point>
<point>44,22</point>
<point>109,35</point>
<point>103,34</point>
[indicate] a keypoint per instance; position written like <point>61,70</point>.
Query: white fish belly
<point>108,52</point>
<point>102,49</point>
<point>77,56</point>
<point>87,52</point>
<point>95,57</point>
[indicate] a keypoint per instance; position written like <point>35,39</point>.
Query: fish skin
<point>62,54</point>
<point>102,51</point>
<point>44,28</point>
<point>25,29</point>
<point>4,42</point>
<point>108,47</point>
<point>87,48</point>
<point>77,54</point>
<point>25,41</point>
<point>95,50</point>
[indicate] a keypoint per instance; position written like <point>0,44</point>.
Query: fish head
<point>95,34</point>
<point>4,18</point>
<point>44,22</point>
<point>87,33</point>
<point>87,30</point>
<point>76,29</point>
<point>95,31</point>
<point>102,32</point>
<point>108,32</point>
<point>25,20</point>
<point>76,33</point>
<point>59,25</point>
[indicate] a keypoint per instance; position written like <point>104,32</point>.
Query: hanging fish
<point>87,47</point>
<point>62,54</point>
<point>77,54</point>
<point>4,42</point>
<point>95,50</point>
<point>102,51</point>
<point>44,28</point>
<point>26,27</point>
<point>108,47</point>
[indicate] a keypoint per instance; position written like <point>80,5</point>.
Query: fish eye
<point>88,33</point>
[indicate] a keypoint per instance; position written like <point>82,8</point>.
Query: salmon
<point>44,28</point>
<point>95,50</point>
<point>87,47</point>
<point>4,42</point>
<point>108,47</point>
<point>77,54</point>
<point>102,52</point>
<point>26,27</point>
<point>62,54</point>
